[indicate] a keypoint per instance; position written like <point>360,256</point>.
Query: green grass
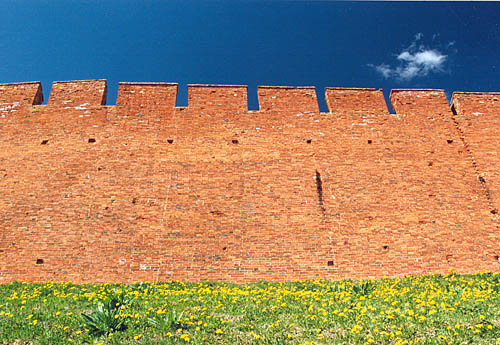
<point>449,309</point>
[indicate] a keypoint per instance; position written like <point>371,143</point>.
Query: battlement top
<point>21,83</point>
<point>234,98</point>
<point>352,88</point>
<point>475,93</point>
<point>146,83</point>
<point>218,85</point>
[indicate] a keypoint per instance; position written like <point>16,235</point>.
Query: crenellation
<point>287,98</point>
<point>475,103</point>
<point>419,102</point>
<point>148,96</point>
<point>355,100</point>
<point>15,96</point>
<point>78,93</point>
<point>216,98</point>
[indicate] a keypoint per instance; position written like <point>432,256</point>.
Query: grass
<point>437,309</point>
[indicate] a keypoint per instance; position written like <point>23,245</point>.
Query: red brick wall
<point>355,100</point>
<point>147,96</point>
<point>213,191</point>
<point>17,98</point>
<point>287,99</point>
<point>417,101</point>
<point>80,92</point>
<point>478,117</point>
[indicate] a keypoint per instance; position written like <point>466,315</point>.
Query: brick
<point>215,98</point>
<point>78,92</point>
<point>477,117</point>
<point>15,97</point>
<point>356,100</point>
<point>287,98</point>
<point>419,101</point>
<point>147,95</point>
<point>213,191</point>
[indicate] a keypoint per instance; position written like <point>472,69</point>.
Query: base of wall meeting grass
<point>434,309</point>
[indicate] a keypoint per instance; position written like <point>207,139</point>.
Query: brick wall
<point>78,93</point>
<point>145,190</point>
<point>477,116</point>
<point>18,98</point>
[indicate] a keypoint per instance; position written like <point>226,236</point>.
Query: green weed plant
<point>105,318</point>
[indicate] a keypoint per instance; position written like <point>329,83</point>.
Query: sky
<point>445,45</point>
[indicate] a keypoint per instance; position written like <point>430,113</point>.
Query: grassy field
<point>449,309</point>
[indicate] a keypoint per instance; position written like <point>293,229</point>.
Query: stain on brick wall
<point>145,190</point>
<point>477,115</point>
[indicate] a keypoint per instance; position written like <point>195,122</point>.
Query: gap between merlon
<point>182,95</point>
<point>253,102</point>
<point>252,96</point>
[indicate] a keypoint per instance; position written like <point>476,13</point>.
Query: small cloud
<point>414,62</point>
<point>385,70</point>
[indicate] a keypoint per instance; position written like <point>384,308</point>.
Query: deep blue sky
<point>452,46</point>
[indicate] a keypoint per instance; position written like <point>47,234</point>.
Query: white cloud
<point>385,70</point>
<point>414,62</point>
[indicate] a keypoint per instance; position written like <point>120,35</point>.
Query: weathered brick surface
<point>147,96</point>
<point>213,191</point>
<point>18,97</point>
<point>149,106</point>
<point>287,99</point>
<point>426,102</point>
<point>211,99</point>
<point>80,92</point>
<point>478,118</point>
<point>355,100</point>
